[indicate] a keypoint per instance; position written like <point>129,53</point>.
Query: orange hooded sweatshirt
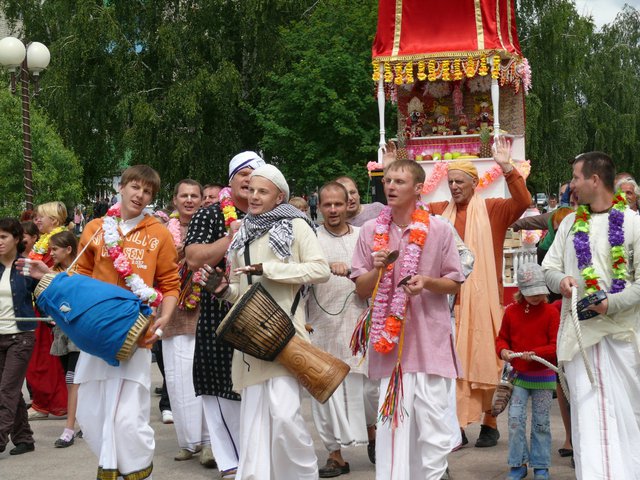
<point>149,247</point>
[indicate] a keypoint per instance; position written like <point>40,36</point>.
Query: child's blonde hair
<point>300,203</point>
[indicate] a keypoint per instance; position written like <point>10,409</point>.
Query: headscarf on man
<point>464,166</point>
<point>244,160</point>
<point>278,222</point>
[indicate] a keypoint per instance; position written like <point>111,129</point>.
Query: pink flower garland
<point>113,242</point>
<point>387,316</point>
<point>440,170</point>
<point>191,291</point>
<point>173,225</point>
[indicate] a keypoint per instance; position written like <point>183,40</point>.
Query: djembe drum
<point>100,318</point>
<point>257,326</point>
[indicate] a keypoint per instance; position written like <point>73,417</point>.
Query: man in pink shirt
<point>418,446</point>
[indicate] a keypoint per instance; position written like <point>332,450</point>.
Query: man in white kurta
<point>284,254</point>
<point>605,418</point>
<point>333,311</point>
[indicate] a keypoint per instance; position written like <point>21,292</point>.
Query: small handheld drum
<point>100,318</point>
<point>257,326</point>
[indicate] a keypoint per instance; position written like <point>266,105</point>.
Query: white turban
<point>271,172</point>
<point>244,160</point>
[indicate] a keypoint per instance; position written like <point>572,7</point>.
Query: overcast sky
<point>603,11</point>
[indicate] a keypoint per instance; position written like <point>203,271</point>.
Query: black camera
<point>592,299</point>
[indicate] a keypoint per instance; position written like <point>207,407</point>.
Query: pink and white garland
<point>382,306</point>
<point>440,170</point>
<point>113,241</point>
<point>173,225</point>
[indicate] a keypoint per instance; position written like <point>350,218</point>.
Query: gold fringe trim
<point>446,69</point>
<point>449,55</point>
<point>114,473</point>
<point>136,331</point>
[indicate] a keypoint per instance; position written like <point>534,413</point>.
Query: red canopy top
<point>471,36</point>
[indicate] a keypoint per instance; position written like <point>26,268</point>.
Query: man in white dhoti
<point>349,416</point>
<point>276,246</point>
<point>594,251</point>
<point>179,338</point>
<point>114,402</point>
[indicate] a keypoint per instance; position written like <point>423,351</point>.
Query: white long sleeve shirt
<point>622,319</point>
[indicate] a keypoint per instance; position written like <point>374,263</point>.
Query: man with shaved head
<point>482,224</point>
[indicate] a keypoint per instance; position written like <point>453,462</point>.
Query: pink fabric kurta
<point>428,345</point>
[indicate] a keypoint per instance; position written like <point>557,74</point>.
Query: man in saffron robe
<point>482,224</point>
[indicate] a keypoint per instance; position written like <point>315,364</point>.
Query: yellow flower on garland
<point>457,72</point>
<point>495,71</point>
<point>388,74</point>
<point>484,68</point>
<point>446,70</point>
<point>421,68</point>
<point>376,71</point>
<point>408,71</point>
<point>398,76</point>
<point>432,71</point>
<point>41,247</point>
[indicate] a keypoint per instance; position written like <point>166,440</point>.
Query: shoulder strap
<point>247,262</point>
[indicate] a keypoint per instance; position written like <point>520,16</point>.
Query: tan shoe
<point>36,415</point>
<point>206,458</point>
<point>183,454</point>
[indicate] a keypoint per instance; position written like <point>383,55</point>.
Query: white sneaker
<point>167,416</point>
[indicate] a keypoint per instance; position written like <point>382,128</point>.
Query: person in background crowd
<point>603,379</point>
<point>16,340</point>
<point>553,202</point>
<point>64,248</point>
<point>349,417</point>
<point>45,374</point>
<point>30,236</point>
<point>631,190</point>
<point>300,203</point>
<point>179,337</point>
<point>482,225</point>
<point>313,206</point>
<point>210,233</point>
<point>358,214</point>
<point>277,246</point>
<point>78,220</point>
<point>210,194</point>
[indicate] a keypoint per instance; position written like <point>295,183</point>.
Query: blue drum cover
<point>94,314</point>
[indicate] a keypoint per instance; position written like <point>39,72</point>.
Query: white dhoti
<point>188,410</point>
<point>275,443</point>
<point>113,413</point>
<point>419,447</point>
<point>343,419</point>
<point>223,421</point>
<point>605,419</point>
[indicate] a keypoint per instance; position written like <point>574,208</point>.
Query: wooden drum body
<point>316,370</point>
<point>258,326</point>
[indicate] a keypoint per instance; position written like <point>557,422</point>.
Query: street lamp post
<point>31,60</point>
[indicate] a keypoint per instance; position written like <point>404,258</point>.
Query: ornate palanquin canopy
<point>448,40</point>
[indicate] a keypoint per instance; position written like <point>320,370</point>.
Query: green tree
<point>318,110</point>
<point>164,83</point>
<point>557,42</point>
<point>57,174</point>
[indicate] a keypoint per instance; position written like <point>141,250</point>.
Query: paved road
<point>78,463</point>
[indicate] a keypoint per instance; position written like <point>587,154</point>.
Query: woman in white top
<point>16,340</point>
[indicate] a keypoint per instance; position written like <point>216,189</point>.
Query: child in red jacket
<point>530,325</point>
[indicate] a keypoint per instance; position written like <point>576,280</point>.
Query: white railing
<point>519,256</point>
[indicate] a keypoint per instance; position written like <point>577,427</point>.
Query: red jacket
<point>534,331</point>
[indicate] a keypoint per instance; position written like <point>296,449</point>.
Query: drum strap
<point>247,262</point>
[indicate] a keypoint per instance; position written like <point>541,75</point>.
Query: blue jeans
<point>539,455</point>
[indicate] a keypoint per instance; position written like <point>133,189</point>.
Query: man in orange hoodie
<point>114,402</point>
